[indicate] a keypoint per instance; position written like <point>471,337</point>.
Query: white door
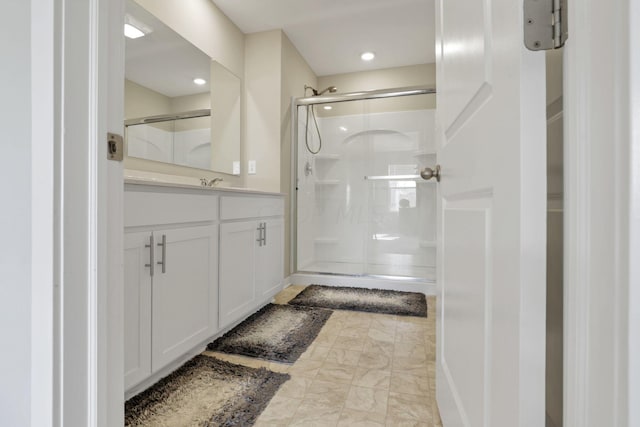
<point>184,308</point>
<point>137,308</point>
<point>491,146</point>
<point>269,260</point>
<point>237,269</point>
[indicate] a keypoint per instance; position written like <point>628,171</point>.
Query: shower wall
<point>362,208</point>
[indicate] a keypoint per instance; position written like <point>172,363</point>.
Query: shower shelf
<point>328,182</point>
<point>325,241</point>
<point>424,153</point>
<point>327,157</point>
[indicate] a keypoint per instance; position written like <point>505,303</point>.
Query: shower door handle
<point>428,173</point>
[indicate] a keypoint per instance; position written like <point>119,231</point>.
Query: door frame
<point>103,204</point>
<point>77,71</point>
<point>602,217</point>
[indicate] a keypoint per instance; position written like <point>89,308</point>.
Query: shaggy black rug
<point>280,333</point>
<point>361,299</point>
<point>205,392</point>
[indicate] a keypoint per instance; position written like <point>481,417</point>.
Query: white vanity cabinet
<point>269,259</point>
<point>251,253</point>
<point>171,277</point>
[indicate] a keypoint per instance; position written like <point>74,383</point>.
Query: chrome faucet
<point>205,183</point>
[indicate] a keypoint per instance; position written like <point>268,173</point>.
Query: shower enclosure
<point>361,207</point>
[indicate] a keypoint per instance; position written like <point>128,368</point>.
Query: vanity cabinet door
<point>184,291</point>
<point>238,242</point>
<point>137,308</point>
<point>269,259</point>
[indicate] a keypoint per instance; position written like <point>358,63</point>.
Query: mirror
<point>169,116</point>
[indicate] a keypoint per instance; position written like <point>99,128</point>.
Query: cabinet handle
<point>264,236</point>
<point>163,263</point>
<point>151,258</point>
<point>259,239</point>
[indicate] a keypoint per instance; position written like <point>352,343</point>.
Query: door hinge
<point>545,24</point>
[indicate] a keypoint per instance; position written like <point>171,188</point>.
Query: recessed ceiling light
<point>327,107</point>
<point>132,32</point>
<point>367,56</point>
<point>343,129</point>
<point>199,81</point>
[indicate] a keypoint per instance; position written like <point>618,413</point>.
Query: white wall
<point>263,68</point>
<point>412,75</point>
<point>140,101</point>
<point>198,101</point>
<point>15,215</point>
<point>275,72</point>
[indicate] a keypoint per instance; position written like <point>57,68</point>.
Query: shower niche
<point>362,207</point>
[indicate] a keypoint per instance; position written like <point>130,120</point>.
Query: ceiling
<point>331,34</point>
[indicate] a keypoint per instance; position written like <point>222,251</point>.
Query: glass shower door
<point>362,208</point>
<point>400,238</point>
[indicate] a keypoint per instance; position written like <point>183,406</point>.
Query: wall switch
<point>236,167</point>
<point>251,170</point>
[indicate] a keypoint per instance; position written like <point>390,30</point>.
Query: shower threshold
<point>373,276</point>
<point>387,271</point>
<point>362,280</point>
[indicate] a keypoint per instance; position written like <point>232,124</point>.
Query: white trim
<point>634,232</point>
<point>42,212</point>
<point>598,257</point>
<point>286,282</point>
<point>88,75</point>
<point>94,196</point>
<point>111,221</point>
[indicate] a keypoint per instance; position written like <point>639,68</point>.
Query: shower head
<point>330,89</point>
<point>315,92</point>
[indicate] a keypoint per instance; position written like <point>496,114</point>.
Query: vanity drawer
<point>144,208</point>
<point>240,207</point>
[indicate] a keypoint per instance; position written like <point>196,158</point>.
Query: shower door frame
<point>331,99</point>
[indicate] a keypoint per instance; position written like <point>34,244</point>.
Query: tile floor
<point>362,370</point>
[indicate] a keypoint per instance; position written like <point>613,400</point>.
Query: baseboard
<point>157,376</point>
<point>426,288</point>
<point>286,282</point>
<point>448,399</point>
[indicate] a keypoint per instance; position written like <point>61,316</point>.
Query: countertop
<point>172,181</point>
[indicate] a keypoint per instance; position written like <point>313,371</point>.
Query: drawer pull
<point>262,230</point>
<point>151,257</point>
<point>163,263</point>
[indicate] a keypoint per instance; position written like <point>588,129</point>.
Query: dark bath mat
<point>361,299</point>
<point>205,392</point>
<point>280,333</point>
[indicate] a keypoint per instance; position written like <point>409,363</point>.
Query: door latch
<point>115,148</point>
